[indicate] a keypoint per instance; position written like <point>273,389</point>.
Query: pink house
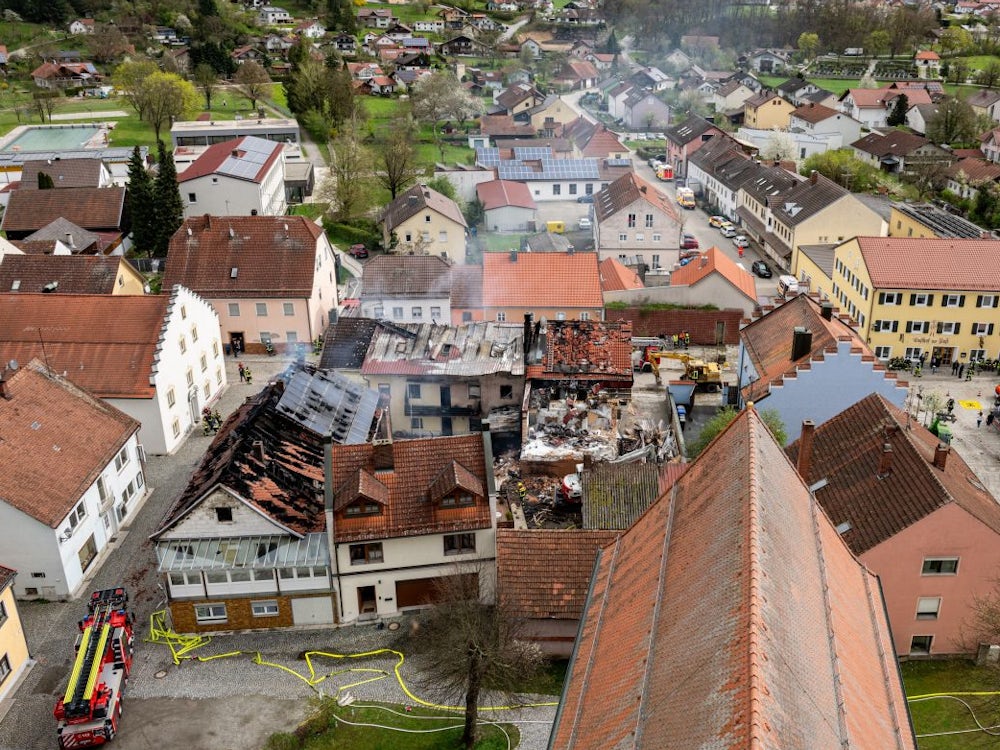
<point>685,138</point>
<point>914,513</point>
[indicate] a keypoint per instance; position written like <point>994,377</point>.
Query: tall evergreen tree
<point>139,197</point>
<point>169,208</point>
<point>897,116</point>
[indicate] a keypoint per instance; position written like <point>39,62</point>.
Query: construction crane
<point>706,374</point>
<point>90,710</point>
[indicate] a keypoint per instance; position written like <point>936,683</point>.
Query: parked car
<point>358,251</point>
<point>689,242</point>
<point>584,223</point>
<point>728,231</point>
<point>689,254</point>
<point>761,269</point>
<point>717,221</point>
<point>585,199</point>
<point>741,241</point>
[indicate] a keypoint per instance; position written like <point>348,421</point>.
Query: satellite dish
<point>13,365</point>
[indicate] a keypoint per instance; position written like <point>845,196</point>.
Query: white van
<point>787,285</point>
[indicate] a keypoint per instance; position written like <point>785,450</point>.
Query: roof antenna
<point>45,354</point>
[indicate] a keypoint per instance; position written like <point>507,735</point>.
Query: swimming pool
<point>54,138</point>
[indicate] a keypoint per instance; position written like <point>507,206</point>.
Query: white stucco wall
<point>825,389</point>
<point>430,308</point>
<point>219,195</point>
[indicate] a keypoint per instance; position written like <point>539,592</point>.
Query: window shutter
<point>881,298</point>
<point>958,328</point>
<point>895,326</point>
<point>961,300</point>
<point>940,327</point>
<point>989,330</point>
<point>930,300</point>
<point>909,326</point>
<point>979,300</point>
<point>996,299</point>
<point>913,300</point>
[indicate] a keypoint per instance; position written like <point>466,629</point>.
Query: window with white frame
<point>950,327</point>
<point>288,308</point>
<point>397,313</point>
<point>204,363</point>
<point>921,644</point>
<point>501,317</point>
<point>939,566</point>
<point>218,376</point>
<point>182,343</point>
<point>234,309</point>
<point>657,237</point>
<point>292,337</point>
<point>207,390</point>
<point>442,236</point>
<point>267,608</point>
<point>77,514</point>
<point>631,221</point>
<point>185,579</point>
<point>976,354</point>
<point>425,236</point>
<point>921,300</point>
<point>435,311</point>
<point>640,236</point>
<point>210,612</point>
<point>171,397</point>
<point>884,326</point>
<point>556,189</point>
<point>623,237</point>
<point>883,352</point>
<point>982,329</point>
<point>5,669</point>
<point>189,376</point>
<point>261,309</point>
<point>928,607</point>
<point>417,312</point>
<point>175,427</point>
<point>987,300</point>
<point>918,326</point>
<point>913,352</point>
<point>584,315</point>
<point>953,300</point>
<point>194,333</point>
<point>122,458</point>
<point>416,423</point>
<point>366,554</point>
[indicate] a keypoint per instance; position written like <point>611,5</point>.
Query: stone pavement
<point>232,702</point>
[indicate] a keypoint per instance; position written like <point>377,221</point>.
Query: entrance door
<point>944,354</point>
<point>445,397</point>
<point>446,428</point>
<point>236,341</point>
<point>366,600</point>
<point>193,404</point>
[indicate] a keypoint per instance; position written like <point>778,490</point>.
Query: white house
<point>636,223</point>
<point>788,144</point>
<point>507,206</point>
<point>270,15</point>
<point>311,29</point>
<point>819,120</point>
<point>82,26</point>
<point>250,546</point>
<point>407,289</point>
<point>156,357</point>
<point>241,177</point>
<point>823,368</point>
<point>73,474</point>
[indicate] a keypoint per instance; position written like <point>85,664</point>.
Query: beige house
<point>424,222</point>
<point>784,212</point>
<point>767,111</point>
<point>271,279</point>
<point>70,274</point>
<point>552,112</point>
<point>14,657</point>
<point>636,224</point>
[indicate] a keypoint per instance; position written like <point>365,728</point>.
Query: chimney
<point>258,449</point>
<point>885,461</point>
<point>236,153</point>
<point>526,336</point>
<point>208,221</point>
<point>941,456</point>
<point>382,459</point>
<point>813,176</point>
<point>801,342</point>
<point>826,310</point>
<point>70,241</point>
<point>513,256</point>
<point>804,462</point>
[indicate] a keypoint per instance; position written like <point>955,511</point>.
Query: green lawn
<point>324,732</point>
<point>947,715</point>
<point>839,85</point>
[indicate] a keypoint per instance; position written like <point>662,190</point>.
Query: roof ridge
<point>838,686</point>
<point>756,688</point>
<point>886,678</point>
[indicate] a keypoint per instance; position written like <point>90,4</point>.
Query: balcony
<point>437,410</point>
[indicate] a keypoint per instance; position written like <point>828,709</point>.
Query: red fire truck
<point>90,711</point>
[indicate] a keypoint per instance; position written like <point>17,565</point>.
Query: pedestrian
<point>674,340</point>
<point>979,419</point>
<point>954,367</point>
<point>961,371</point>
<point>739,249</point>
<point>923,357</point>
<point>971,372</point>
<point>934,365</point>
<point>243,373</point>
<point>989,419</point>
<point>687,339</point>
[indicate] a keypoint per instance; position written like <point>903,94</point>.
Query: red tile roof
<point>535,280</point>
<point>732,616</point>
<point>65,173</point>
<point>74,274</point>
<point>768,341</point>
<point>931,263</point>
<point>625,191</point>
<point>588,350</point>
<point>846,452</point>
<point>417,199</point>
<point>500,193</point>
<point>57,439</point>
<point>814,113</point>
<point>232,159</point>
<point>6,576</point>
<point>865,98</point>
<point>546,572</point>
<point>615,276</point>
<point>716,261</point>
<point>410,509</point>
<point>106,344</point>
<point>270,260</point>
<point>90,208</point>
<point>926,54</point>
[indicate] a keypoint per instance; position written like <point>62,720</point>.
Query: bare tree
<point>129,79</point>
<point>397,161</point>
<point>167,97</point>
<point>44,103</point>
<point>206,79</point>
<point>472,646</point>
<point>253,82</point>
<point>440,97</point>
<point>348,186</point>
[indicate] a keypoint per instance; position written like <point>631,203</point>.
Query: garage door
<point>314,610</point>
<point>420,591</point>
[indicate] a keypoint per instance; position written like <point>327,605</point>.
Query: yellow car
<point>717,221</point>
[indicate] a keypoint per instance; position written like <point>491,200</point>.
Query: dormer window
<point>458,500</point>
<point>363,509</point>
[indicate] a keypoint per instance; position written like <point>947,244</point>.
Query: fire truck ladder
<point>88,663</point>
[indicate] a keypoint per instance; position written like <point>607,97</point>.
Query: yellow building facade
<point>773,112</point>
<point>13,645</point>
<point>937,298</point>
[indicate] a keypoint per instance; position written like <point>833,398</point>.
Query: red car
<point>358,251</point>
<point>689,242</point>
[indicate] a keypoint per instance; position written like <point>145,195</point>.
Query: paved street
<point>222,704</point>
